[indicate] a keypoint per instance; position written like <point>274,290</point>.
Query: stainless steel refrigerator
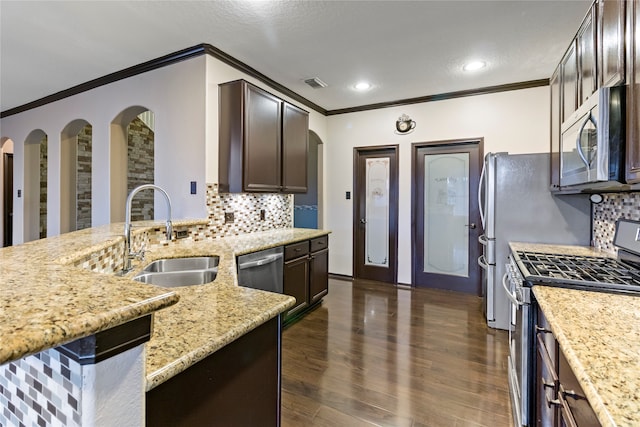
<point>517,206</point>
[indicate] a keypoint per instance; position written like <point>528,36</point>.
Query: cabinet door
<point>587,58</point>
<point>611,16</point>
<point>569,82</point>
<point>556,106</point>
<point>295,137</point>
<point>633,93</point>
<point>296,283</point>
<point>318,275</point>
<point>262,145</point>
<point>573,396</point>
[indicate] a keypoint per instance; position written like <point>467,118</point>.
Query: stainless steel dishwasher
<point>262,270</point>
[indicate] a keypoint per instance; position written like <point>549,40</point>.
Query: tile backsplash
<point>605,214</point>
<point>251,212</point>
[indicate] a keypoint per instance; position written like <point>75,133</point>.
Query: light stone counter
<point>212,315</point>
<point>599,334</point>
<point>46,303</point>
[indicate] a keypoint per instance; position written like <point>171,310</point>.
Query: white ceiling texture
<point>405,49</point>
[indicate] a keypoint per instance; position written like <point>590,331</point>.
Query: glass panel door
<point>377,212</point>
<point>446,214</point>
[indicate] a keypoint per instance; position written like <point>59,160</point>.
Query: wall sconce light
<point>404,125</point>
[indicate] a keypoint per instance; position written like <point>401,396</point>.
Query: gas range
<point>582,272</point>
<point>606,274</point>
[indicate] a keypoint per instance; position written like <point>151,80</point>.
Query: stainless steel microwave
<point>592,142</point>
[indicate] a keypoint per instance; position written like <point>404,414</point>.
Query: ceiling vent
<point>316,83</point>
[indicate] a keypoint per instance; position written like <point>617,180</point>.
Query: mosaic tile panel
<point>278,213</point>
<point>107,260</point>
<point>41,390</point>
<point>605,214</point>
<point>246,208</point>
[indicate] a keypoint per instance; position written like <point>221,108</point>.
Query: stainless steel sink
<point>182,264</point>
<point>170,279</point>
<point>173,272</point>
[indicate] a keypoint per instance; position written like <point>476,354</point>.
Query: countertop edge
<point>167,372</point>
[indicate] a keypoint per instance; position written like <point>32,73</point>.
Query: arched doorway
<point>6,191</point>
<point>75,176</point>
<point>35,185</point>
<point>306,212</point>
<point>132,162</point>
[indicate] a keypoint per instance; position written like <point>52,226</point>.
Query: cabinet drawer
<point>296,250</point>
<point>319,243</point>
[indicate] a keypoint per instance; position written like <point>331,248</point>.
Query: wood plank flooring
<point>376,354</point>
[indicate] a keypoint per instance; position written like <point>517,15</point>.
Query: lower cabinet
<point>306,274</point>
<point>560,401</point>
<point>238,385</point>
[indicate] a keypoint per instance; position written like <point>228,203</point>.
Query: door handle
<point>363,221</point>
<point>471,226</point>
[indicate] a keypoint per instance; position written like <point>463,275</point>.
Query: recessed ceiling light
<point>363,86</point>
<point>474,66</point>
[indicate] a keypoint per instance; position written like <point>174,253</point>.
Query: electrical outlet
<point>263,215</point>
<point>228,217</point>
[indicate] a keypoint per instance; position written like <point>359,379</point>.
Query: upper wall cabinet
<point>633,92</point>
<point>586,43</point>
<point>263,141</point>
<point>611,61</point>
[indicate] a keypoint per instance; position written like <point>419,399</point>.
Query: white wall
<point>515,121</point>
<point>175,94</point>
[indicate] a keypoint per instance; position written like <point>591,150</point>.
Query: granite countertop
<point>598,333</point>
<point>212,315</point>
<point>47,302</point>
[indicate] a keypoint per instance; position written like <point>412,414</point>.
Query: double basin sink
<point>173,272</point>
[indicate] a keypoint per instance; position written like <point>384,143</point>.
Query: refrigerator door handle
<point>480,204</point>
<point>482,262</point>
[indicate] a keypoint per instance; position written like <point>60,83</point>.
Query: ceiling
<point>405,49</point>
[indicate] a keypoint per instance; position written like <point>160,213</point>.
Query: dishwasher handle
<point>260,262</point>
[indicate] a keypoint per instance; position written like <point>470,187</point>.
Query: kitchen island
<point>50,299</point>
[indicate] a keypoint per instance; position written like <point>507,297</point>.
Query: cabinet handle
<point>572,394</point>
<point>553,402</point>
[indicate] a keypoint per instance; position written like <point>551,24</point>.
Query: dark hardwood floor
<point>375,354</point>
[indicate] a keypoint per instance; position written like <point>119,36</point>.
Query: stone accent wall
<point>43,187</point>
<point>140,168</point>
<point>83,179</point>
<point>605,214</point>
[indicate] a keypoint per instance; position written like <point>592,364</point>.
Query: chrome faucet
<point>128,253</point>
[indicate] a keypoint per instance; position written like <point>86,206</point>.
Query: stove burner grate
<point>580,269</point>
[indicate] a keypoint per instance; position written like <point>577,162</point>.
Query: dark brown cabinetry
<point>556,112</point>
<point>262,141</point>
<point>306,274</point>
<point>586,45</point>
<point>238,385</point>
<point>546,374</point>
<point>633,92</point>
<point>559,399</point>
<point>569,82</point>
<point>611,61</point>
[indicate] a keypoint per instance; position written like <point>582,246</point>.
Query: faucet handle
<point>169,230</point>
